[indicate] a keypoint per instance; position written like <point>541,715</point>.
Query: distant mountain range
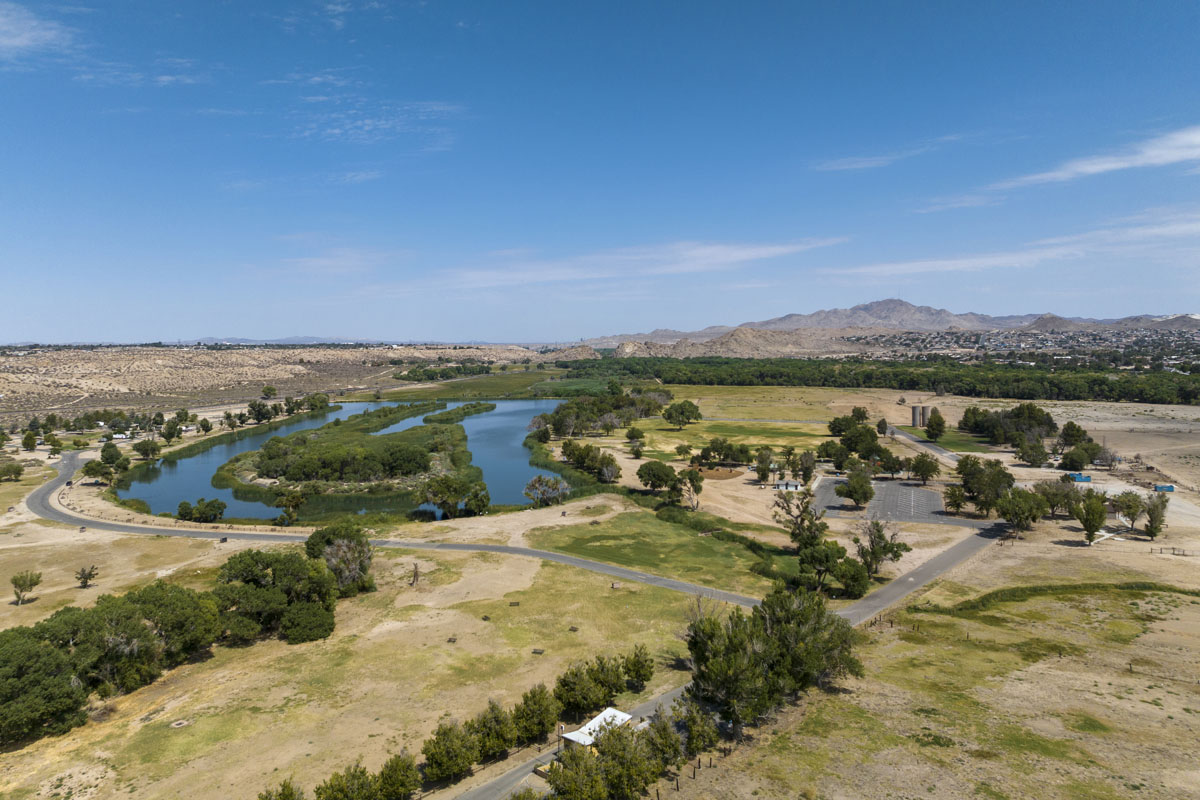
<point>900,315</point>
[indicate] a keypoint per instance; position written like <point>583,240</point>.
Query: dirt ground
<point>1078,696</point>
<point>69,380</point>
<point>247,717</point>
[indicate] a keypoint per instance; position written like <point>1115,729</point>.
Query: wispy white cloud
<point>884,159</point>
<point>344,261</point>
<point>358,176</point>
<point>1162,234</point>
<point>1178,147</point>
<point>24,33</point>
<point>960,201</point>
<point>363,121</point>
<point>678,258</point>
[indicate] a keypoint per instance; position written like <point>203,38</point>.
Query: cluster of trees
<point>421,374</point>
<point>1010,426</point>
<point>261,411</point>
<point>982,483</point>
<point>202,511</point>
<point>1039,382</point>
<point>456,415</point>
<point>592,460</point>
<point>722,452</point>
<point>347,553</point>
<point>300,458</point>
<point>588,687</point>
<point>455,748</point>
<point>680,488</point>
<point>682,413</point>
<point>11,471</point>
<point>454,493</point>
<point>820,562</point>
<point>48,670</point>
<point>545,490</point>
<point>603,412</point>
<point>746,666</point>
<point>624,761</point>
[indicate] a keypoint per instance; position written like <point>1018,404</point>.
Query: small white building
<point>608,718</point>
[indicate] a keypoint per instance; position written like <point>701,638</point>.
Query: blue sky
<point>548,171</point>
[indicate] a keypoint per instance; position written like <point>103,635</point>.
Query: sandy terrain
<point>74,380</point>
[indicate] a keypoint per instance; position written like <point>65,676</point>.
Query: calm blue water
<point>495,440</point>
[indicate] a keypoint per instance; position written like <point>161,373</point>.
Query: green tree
<point>1032,452</point>
<point>85,576</point>
<point>681,413</point>
<point>1075,460</point>
<point>355,782</point>
<point>268,392</point>
<point>857,488</point>
<point>683,450</point>
<point>925,466</point>
<point>286,791</point>
<point>1020,508</point>
<point>607,673</point>
<point>859,414</point>
<point>796,512</point>
<point>23,583</point>
<point>98,470</point>
<point>807,461</point>
<point>29,441</point>
<point>878,542</point>
<point>1059,495</point>
<point>450,753</point>
<point>306,621</point>
<point>38,693</point>
<point>636,448</point>
<point>1091,512</point>
<point>699,728</point>
<point>656,475</point>
<point>545,490</point>
<point>577,775</point>
<point>110,454</point>
<point>634,434</point>
<point>666,746</point>
<point>1130,505</point>
<point>935,426</point>
<point>171,430</point>
<point>881,427</point>
<point>399,778</point>
<point>493,731</point>
<point>205,425</point>
<point>185,621</point>
<point>627,762</point>
<point>11,471</point>
<point>147,448</point>
<point>638,666</point>
<point>536,715</point>
<point>578,692</point>
<point>954,498</point>
<point>1156,514</point>
<point>763,459</point>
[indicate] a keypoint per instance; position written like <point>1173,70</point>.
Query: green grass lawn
<point>955,440</point>
<point>639,540</point>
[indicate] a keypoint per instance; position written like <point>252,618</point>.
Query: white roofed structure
<point>586,735</point>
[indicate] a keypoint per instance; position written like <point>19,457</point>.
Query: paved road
<point>39,503</point>
<point>856,613</point>
<point>933,448</point>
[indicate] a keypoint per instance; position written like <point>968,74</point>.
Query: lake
<point>495,439</point>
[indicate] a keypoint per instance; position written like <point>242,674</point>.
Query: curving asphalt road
<point>857,613</point>
<point>39,503</point>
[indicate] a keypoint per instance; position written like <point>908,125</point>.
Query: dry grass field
<point>242,719</point>
<point>1090,694</point>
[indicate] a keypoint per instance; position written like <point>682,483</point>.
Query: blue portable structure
<point>1164,487</point>
<point>1079,477</point>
